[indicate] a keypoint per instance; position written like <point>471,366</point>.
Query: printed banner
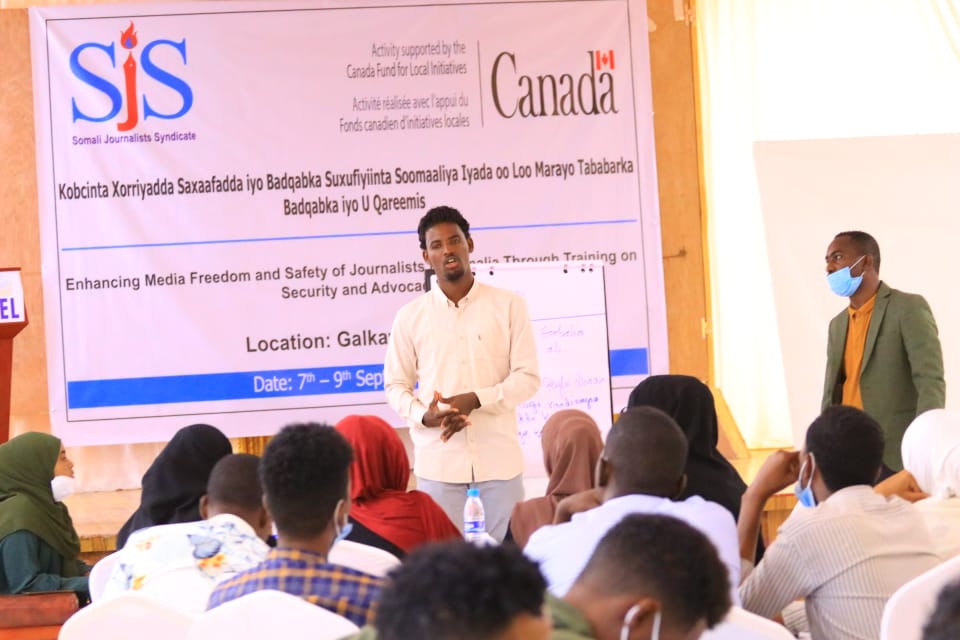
<point>229,193</point>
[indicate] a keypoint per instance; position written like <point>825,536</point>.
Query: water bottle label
<point>473,526</point>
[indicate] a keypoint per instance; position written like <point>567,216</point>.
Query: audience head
<point>944,622</point>
<point>173,484</point>
<point>646,453</point>
<point>688,401</point>
<point>28,464</point>
<point>439,215</point>
<point>652,571</point>
<point>572,446</point>
<point>844,447</point>
<point>234,487</point>
<point>304,474</point>
<point>931,452</point>
<point>380,460</point>
<point>459,591</point>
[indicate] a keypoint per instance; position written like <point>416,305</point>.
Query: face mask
<point>341,532</point>
<point>842,283</point>
<point>628,620</point>
<point>62,486</point>
<point>805,494</point>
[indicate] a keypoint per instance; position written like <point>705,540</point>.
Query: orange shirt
<point>857,327</point>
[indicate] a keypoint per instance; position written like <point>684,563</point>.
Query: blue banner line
<point>245,385</point>
<point>333,236</point>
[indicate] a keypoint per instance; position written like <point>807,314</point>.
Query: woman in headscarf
<point>931,454</point>
<point>172,486</point>
<point>383,513</point>
<point>690,403</point>
<point>39,548</point>
<point>571,445</point>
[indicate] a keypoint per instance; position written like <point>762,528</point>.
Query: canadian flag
<point>604,59</point>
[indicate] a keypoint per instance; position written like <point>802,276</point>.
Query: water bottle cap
<point>473,493</point>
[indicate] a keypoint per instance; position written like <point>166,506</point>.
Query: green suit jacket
<point>902,371</point>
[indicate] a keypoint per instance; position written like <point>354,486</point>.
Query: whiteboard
<point>568,311</point>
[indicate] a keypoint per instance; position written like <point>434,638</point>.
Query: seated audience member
<point>305,477</point>
<point>571,448</point>
<point>384,514</point>
<point>459,591</point>
<point>690,403</point>
<point>944,622</point>
<point>39,548</point>
<point>181,563</point>
<point>172,486</point>
<point>651,576</point>
<point>846,549</point>
<point>931,455</point>
<point>641,471</point>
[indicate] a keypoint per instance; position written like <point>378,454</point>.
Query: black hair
<point>865,243</point>
<point>847,447</point>
<point>235,481</point>
<point>439,215</point>
<point>664,558</point>
<point>304,473</point>
<point>459,591</point>
<point>944,622</point>
<point>647,450</point>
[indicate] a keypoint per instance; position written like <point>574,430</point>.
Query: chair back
<point>100,575</point>
<point>129,615</point>
<point>743,625</point>
<point>909,608</point>
<point>270,614</point>
<point>362,557</point>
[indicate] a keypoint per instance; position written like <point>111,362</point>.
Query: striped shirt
<point>846,557</point>
<point>344,591</point>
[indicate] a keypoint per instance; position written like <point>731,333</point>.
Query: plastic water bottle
<point>474,524</point>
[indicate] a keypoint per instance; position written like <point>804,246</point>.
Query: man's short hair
<point>865,243</point>
<point>647,450</point>
<point>944,622</point>
<point>235,482</point>
<point>664,558</point>
<point>459,591</point>
<point>304,474</point>
<point>439,215</point>
<point>847,447</point>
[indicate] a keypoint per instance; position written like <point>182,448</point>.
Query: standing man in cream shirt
<point>461,358</point>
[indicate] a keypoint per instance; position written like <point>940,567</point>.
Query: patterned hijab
<point>26,500</point>
<point>173,484</point>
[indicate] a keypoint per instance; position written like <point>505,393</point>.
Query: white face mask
<point>62,486</point>
<point>628,620</point>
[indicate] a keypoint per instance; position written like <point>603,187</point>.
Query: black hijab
<point>173,484</point>
<point>690,403</point>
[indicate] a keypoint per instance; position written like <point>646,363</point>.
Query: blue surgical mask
<point>805,494</point>
<point>628,620</point>
<point>842,283</point>
<point>342,532</point>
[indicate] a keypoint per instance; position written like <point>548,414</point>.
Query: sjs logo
<point>125,92</point>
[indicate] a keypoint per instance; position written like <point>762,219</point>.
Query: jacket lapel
<point>879,308</point>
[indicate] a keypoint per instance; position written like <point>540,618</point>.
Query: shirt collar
<point>471,296</point>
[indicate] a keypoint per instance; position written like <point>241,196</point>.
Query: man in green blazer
<point>883,352</point>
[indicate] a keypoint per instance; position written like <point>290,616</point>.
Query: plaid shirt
<point>347,592</point>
